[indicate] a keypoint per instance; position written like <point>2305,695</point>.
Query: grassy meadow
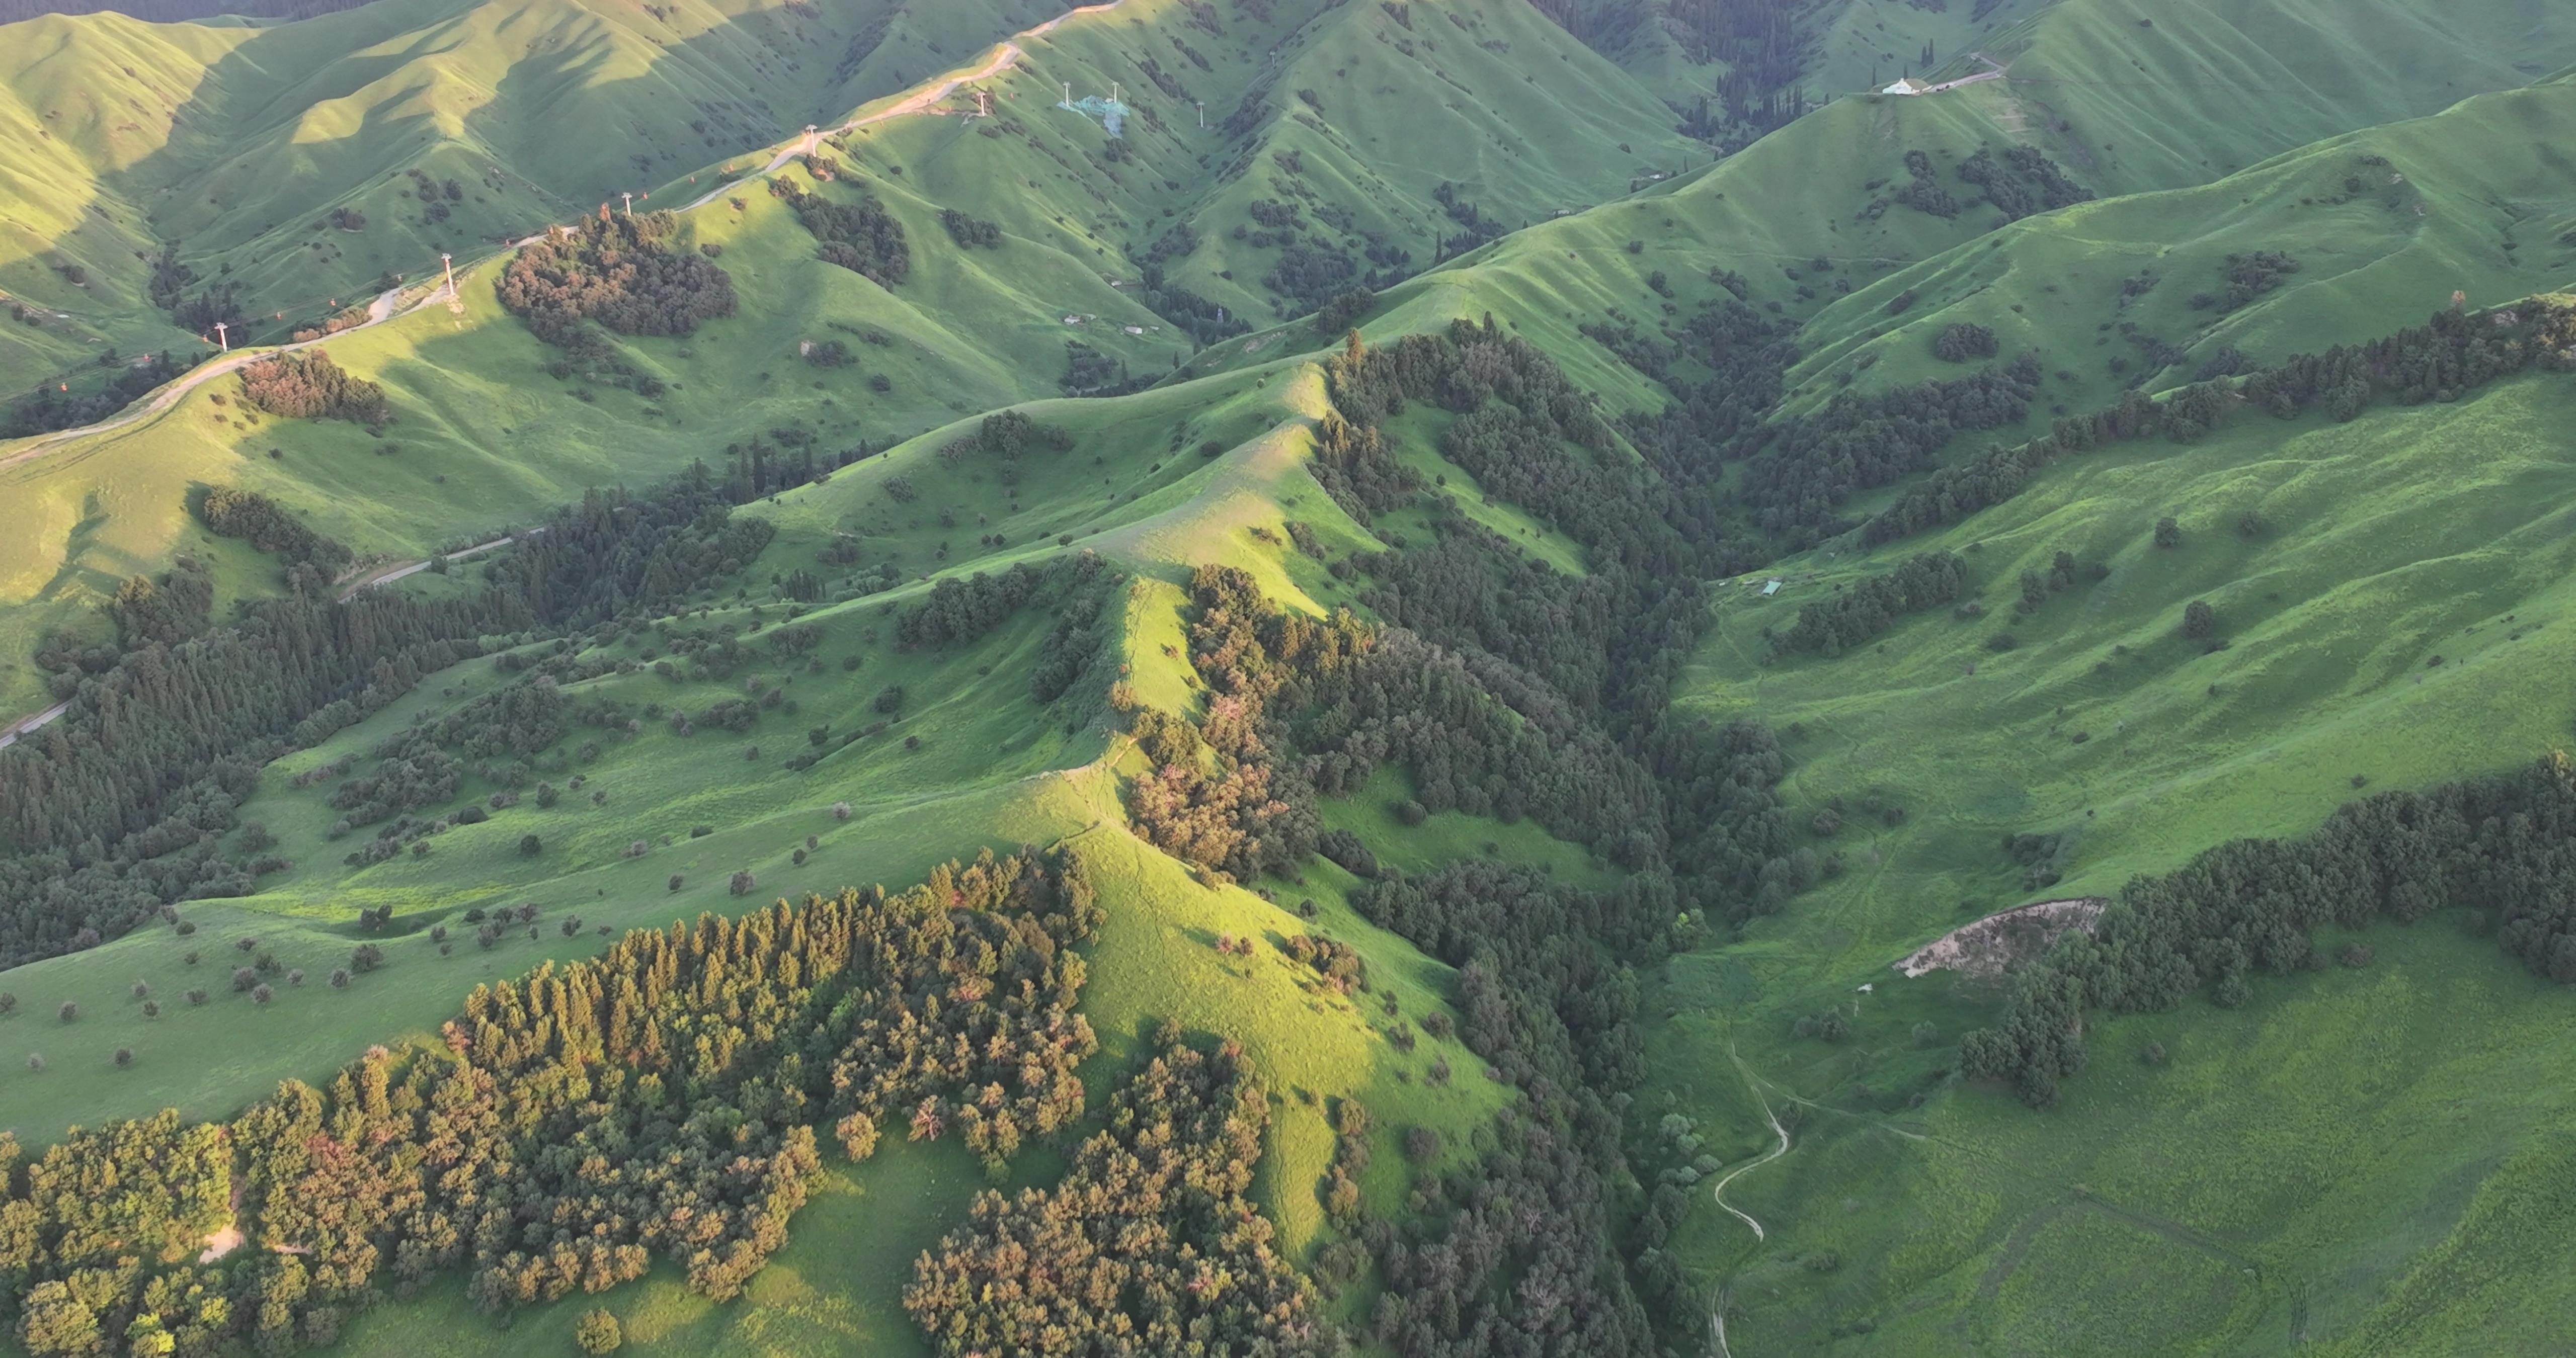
<point>2310,1169</point>
<point>2368,1160</point>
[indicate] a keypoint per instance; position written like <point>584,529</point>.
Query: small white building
<point>1770,589</point>
<point>1909,85</point>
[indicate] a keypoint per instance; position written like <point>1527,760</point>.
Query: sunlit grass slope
<point>236,141</point>
<point>968,761</point>
<point>2088,86</point>
<point>2384,225</point>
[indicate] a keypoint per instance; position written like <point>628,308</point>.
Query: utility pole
<point>1202,106</point>
<point>630,203</point>
<point>1068,94</point>
<point>984,103</point>
<point>221,338</point>
<point>447,262</point>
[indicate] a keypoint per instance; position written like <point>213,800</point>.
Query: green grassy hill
<point>2391,621</point>
<point>2137,291</point>
<point>2361,1161</point>
<point>236,143</point>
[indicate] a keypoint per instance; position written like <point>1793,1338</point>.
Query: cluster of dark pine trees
<point>1147,1245</point>
<point>1547,996</point>
<point>2021,181</point>
<point>1797,484</point>
<point>861,237</point>
<point>1299,705</point>
<point>1866,608</point>
<point>2446,357</point>
<point>307,385</point>
<point>659,1102</point>
<point>1797,471</point>
<point>1590,661</point>
<point>55,406</point>
<point>2504,846</point>
<point>1230,793</point>
<point>269,527</point>
<point>111,814</point>
<point>960,611</point>
<point>618,271</point>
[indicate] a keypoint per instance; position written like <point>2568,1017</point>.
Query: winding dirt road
<point>1717,1192</point>
<point>379,311</point>
<point>386,575</point>
<point>31,725</point>
<point>1004,58</point>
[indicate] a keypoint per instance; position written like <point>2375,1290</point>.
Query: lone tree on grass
<point>743,882</point>
<point>2199,621</point>
<point>2168,533</point>
<point>68,1012</point>
<point>262,995</point>
<point>530,846</point>
<point>124,1057</point>
<point>598,1332</point>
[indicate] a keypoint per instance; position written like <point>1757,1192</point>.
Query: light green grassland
<point>2362,1161</point>
<point>991,770</point>
<point>2385,225</point>
<point>235,141</point>
<point>2346,1136</point>
<point>482,439</point>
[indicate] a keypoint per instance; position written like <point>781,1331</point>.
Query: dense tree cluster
<point>1148,1244</point>
<point>660,1101</point>
<point>1311,273</point>
<point>2503,845</point>
<point>113,812</point>
<point>2022,181</point>
<point>1585,739</point>
<point>1759,47</point>
<point>960,611</point>
<point>2450,355</point>
<point>1921,191</point>
<point>55,406</point>
<point>1547,995</point>
<point>1961,341</point>
<point>168,610</point>
<point>1717,418</point>
<point>1298,705</point>
<point>219,302</point>
<point>861,237</point>
<point>1797,485</point>
<point>1089,372</point>
<point>307,385</point>
<point>619,271</point>
<point>1866,608</point>
<point>272,528</point>
<point>970,231</point>
<point>2245,277</point>
<point>1245,805</point>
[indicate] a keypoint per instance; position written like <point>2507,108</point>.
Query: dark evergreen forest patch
<point>619,271</point>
